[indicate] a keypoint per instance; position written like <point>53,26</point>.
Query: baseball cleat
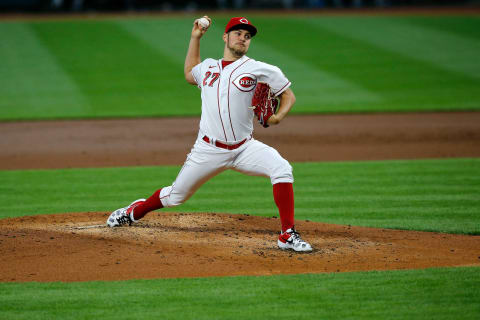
<point>290,239</point>
<point>123,216</point>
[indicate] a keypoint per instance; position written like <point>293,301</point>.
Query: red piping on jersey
<point>218,101</point>
<point>288,82</point>
<point>228,98</point>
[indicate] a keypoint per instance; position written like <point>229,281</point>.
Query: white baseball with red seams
<point>203,22</point>
<point>226,95</point>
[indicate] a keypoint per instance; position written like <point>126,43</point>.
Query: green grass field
<point>446,293</point>
<point>134,67</point>
<point>440,195</point>
<point>431,195</point>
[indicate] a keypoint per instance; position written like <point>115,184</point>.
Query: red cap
<point>240,23</point>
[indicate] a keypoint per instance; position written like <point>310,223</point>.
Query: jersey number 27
<point>214,77</point>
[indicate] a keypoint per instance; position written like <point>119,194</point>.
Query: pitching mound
<point>78,247</point>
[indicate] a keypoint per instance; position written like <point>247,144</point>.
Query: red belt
<point>223,145</point>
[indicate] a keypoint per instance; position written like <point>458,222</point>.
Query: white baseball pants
<point>206,161</point>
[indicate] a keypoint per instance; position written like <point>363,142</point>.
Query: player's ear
<point>225,36</point>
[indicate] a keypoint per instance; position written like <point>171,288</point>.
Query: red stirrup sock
<point>152,203</point>
<point>283,196</point>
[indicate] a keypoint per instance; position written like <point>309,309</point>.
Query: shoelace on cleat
<point>124,220</point>
<point>296,236</point>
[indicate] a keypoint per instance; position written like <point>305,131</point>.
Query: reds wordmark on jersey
<point>227,95</point>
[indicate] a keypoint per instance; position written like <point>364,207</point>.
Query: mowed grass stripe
<point>406,194</point>
<point>443,293</point>
<point>464,26</point>
<point>134,67</point>
<point>31,79</point>
<point>429,195</point>
<point>172,36</point>
<point>118,73</point>
<point>442,48</point>
<point>402,82</point>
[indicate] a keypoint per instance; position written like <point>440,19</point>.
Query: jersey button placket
<point>220,104</point>
<point>224,105</point>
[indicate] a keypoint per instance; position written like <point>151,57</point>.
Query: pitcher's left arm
<point>287,99</point>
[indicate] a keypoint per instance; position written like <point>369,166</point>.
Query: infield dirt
<point>167,245</point>
<point>60,248</point>
<point>167,141</point>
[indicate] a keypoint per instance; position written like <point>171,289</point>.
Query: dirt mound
<point>78,247</point>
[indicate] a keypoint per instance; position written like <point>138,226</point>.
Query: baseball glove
<point>264,104</point>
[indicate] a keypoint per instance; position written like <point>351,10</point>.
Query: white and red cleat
<point>123,216</point>
<point>290,239</point>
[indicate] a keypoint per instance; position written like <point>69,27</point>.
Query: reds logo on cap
<point>240,23</point>
<point>245,82</point>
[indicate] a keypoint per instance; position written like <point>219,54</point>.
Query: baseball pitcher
<point>234,90</point>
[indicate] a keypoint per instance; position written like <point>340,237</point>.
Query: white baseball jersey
<point>227,95</point>
<point>226,117</point>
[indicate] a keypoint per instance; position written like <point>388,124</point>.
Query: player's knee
<point>176,201</point>
<point>282,172</point>
<point>171,197</point>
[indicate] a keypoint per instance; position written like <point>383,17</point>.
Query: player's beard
<point>238,52</point>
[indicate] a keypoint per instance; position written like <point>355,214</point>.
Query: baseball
<point>203,22</point>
